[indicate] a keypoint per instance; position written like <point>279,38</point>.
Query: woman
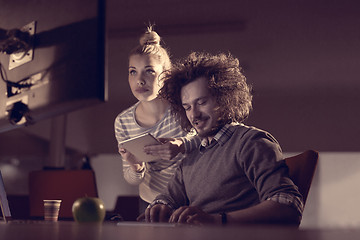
<point>147,64</point>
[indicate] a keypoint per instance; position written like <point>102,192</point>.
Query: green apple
<point>88,209</point>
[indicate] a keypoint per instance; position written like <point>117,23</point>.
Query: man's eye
<point>202,102</point>
<point>186,108</point>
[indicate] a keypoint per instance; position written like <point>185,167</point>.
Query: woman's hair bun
<point>150,37</point>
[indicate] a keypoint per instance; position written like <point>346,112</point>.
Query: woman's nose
<point>141,80</point>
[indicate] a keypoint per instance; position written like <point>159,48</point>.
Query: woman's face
<point>144,71</point>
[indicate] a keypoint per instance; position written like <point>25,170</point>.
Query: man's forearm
<point>267,212</point>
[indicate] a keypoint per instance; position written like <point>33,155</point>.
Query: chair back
<point>301,169</point>
<point>67,185</point>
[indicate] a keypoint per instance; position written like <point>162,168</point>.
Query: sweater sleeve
<point>175,193</point>
<point>191,142</point>
<point>130,175</point>
<point>263,165</point>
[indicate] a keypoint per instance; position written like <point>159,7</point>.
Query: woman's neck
<point>148,114</point>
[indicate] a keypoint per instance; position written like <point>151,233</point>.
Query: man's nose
<point>195,113</point>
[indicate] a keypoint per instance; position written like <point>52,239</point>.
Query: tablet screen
<point>136,147</point>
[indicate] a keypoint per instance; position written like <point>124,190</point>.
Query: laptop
<point>5,216</point>
<point>4,204</point>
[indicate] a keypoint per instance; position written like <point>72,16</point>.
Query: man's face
<point>200,107</point>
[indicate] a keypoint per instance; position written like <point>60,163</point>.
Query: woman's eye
<point>132,72</point>
<point>150,71</point>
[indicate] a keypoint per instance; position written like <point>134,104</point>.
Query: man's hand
<point>169,148</point>
<point>158,213</point>
<point>193,215</point>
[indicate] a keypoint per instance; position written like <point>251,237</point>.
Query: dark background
<point>301,57</point>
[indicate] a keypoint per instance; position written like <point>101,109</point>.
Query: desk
<point>70,230</point>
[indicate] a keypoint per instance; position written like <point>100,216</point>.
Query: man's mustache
<point>200,118</point>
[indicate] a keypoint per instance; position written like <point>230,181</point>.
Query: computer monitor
<point>61,66</point>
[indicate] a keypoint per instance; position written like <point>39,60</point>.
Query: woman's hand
<point>135,164</point>
<point>169,148</point>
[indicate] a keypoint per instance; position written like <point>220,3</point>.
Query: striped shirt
<point>157,174</point>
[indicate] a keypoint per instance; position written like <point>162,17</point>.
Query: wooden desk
<point>128,231</point>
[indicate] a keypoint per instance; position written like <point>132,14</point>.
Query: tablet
<point>136,146</point>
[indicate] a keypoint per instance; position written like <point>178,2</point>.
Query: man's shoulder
<point>242,130</point>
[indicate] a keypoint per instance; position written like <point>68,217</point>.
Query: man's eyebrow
<point>201,98</point>
<point>197,99</point>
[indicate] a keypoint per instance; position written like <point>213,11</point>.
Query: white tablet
<point>136,146</point>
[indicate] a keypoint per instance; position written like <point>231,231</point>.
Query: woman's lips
<point>141,90</point>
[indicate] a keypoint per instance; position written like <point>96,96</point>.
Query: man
<point>237,174</point>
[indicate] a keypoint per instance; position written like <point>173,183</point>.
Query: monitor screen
<point>52,58</point>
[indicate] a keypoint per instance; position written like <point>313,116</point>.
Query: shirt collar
<point>221,136</point>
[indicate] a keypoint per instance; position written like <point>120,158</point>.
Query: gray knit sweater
<point>240,169</point>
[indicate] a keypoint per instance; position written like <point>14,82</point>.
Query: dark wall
<point>302,58</point>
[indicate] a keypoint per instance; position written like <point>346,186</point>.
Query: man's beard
<point>211,132</point>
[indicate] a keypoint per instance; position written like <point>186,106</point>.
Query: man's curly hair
<point>225,82</point>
